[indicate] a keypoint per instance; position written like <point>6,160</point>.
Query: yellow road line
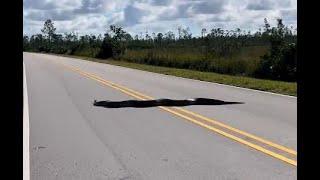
<point>280,147</point>
<point>259,148</point>
<point>134,94</point>
<point>290,151</point>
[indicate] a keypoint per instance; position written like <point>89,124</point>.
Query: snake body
<point>160,102</point>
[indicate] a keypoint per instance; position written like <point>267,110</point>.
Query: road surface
<point>72,139</point>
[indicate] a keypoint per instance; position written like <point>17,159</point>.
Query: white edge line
<point>266,92</point>
<point>26,153</point>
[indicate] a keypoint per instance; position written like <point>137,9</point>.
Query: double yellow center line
<point>272,149</point>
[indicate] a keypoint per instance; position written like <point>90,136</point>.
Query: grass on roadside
<point>287,88</point>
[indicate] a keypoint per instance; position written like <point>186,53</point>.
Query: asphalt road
<point>72,139</point>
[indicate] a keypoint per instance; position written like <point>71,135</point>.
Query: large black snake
<point>161,102</point>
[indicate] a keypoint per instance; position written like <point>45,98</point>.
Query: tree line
<point>216,50</point>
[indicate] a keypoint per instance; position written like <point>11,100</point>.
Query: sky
<point>141,16</point>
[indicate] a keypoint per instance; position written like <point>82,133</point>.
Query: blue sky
<point>136,16</point>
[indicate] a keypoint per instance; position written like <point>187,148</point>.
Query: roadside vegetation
<point>269,53</point>
<point>281,87</point>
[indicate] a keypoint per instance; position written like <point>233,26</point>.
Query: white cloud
<point>94,16</point>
